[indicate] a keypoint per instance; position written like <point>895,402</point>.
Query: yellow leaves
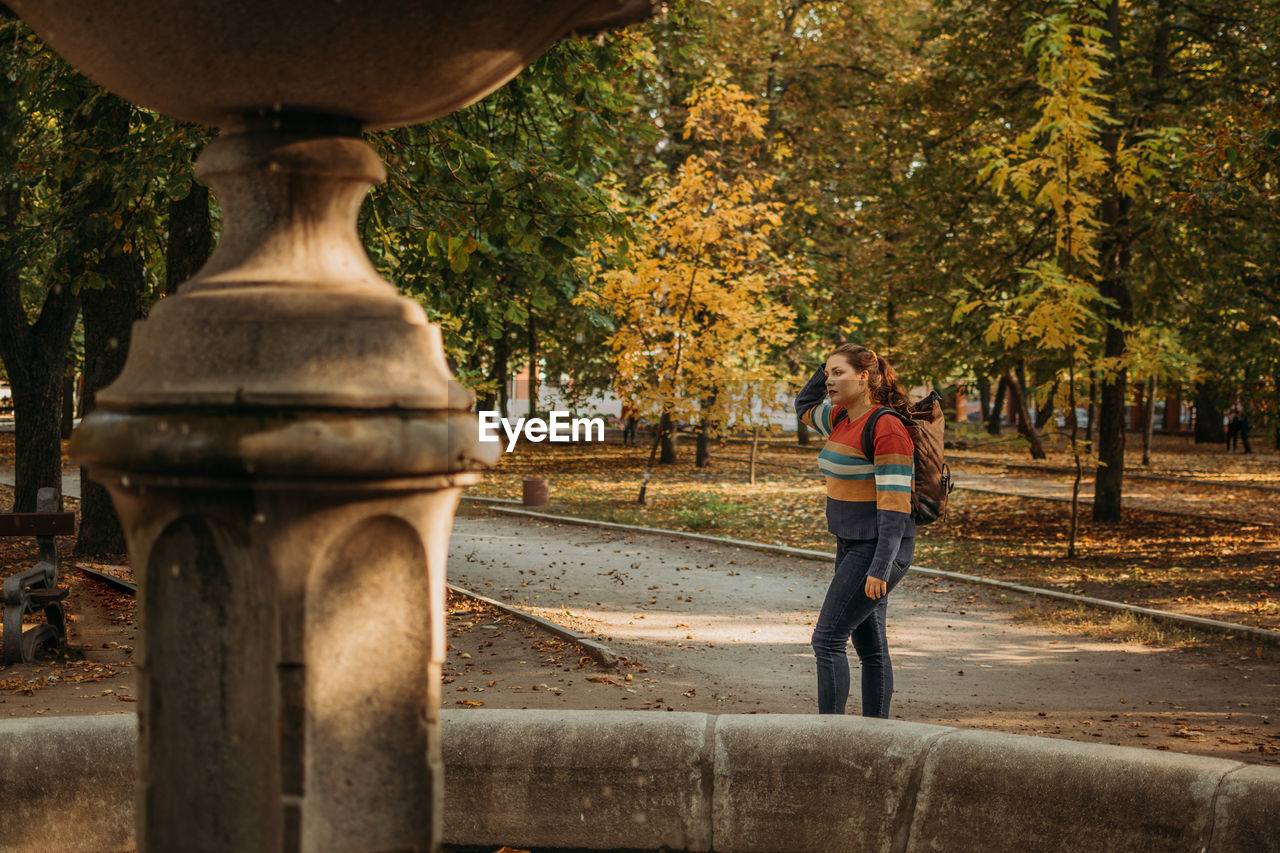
<point>1023,182</point>
<point>723,112</point>
<point>1054,195</point>
<point>1159,352</point>
<point>1051,310</point>
<point>1059,164</point>
<point>695,309</point>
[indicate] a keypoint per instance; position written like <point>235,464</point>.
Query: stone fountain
<point>285,445</point>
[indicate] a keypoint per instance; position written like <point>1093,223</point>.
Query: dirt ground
<point>94,675</point>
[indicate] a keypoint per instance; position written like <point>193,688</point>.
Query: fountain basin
<point>384,63</point>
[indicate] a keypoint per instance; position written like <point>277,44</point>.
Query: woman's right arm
<point>812,404</point>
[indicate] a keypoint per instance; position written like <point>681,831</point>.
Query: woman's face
<point>845,386</point>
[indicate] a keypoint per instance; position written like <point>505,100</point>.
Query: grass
<point>1134,628</point>
<point>708,512</point>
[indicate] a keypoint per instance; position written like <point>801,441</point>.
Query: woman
<point>869,512</point>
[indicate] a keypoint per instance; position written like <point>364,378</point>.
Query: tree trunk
<point>1069,418</point>
<point>1090,431</point>
<point>190,237</point>
<point>68,399</point>
<point>755,445</point>
<point>658,435</point>
<point>667,432</point>
<point>109,315</point>
<point>1116,211</point>
<point>34,356</point>
<point>1208,428</point>
<point>501,375</point>
<point>984,397</point>
<point>37,417</point>
<point>1017,391</point>
<point>1148,422</point>
<point>702,457</point>
<point>475,366</point>
<point>1074,527</point>
<point>997,407</point>
<point>1109,481</point>
<point>802,432</point>
<point>1275,409</point>
<point>1045,412</point>
<point>533,367</point>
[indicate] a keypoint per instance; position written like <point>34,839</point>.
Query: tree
<point>84,172</point>
<point>1058,164</point>
<point>38,312</point>
<point>697,320</point>
<point>943,230</point>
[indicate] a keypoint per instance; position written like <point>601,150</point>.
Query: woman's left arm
<point>894,460</point>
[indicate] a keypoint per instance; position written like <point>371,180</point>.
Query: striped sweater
<point>866,499</point>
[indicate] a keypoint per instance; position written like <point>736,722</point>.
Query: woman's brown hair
<point>882,381</point>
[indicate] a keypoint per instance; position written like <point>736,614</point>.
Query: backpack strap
<point>868,429</point>
<point>869,433</point>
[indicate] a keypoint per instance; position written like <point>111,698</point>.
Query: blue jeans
<point>847,612</point>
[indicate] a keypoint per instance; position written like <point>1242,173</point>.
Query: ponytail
<point>890,391</point>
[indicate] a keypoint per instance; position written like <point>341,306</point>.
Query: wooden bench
<point>35,589</point>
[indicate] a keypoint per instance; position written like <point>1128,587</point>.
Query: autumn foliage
<point>697,322</point>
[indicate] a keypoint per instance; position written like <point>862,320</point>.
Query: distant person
<point>869,512</point>
<point>1233,429</point>
<point>629,421</point>
<point>1242,430</point>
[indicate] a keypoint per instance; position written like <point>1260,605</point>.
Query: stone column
<point>286,448</point>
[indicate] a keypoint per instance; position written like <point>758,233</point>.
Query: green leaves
<point>487,213</point>
<point>93,174</point>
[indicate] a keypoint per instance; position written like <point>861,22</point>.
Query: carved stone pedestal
<point>286,449</point>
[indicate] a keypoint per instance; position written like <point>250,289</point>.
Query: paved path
<point>70,482</point>
<point>737,622</point>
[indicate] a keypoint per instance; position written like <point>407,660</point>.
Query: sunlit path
<point>733,625</point>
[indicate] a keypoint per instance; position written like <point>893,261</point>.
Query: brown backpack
<point>931,482</point>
